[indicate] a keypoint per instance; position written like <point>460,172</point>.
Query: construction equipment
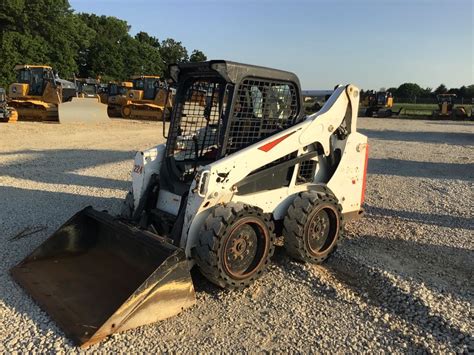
<point>446,109</point>
<point>233,174</point>
<point>7,113</point>
<point>147,98</point>
<point>117,96</point>
<point>38,93</point>
<point>87,87</point>
<point>379,104</point>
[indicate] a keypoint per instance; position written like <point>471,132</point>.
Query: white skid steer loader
<point>241,165</point>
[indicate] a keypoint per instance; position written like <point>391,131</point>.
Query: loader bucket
<point>85,110</point>
<point>97,276</point>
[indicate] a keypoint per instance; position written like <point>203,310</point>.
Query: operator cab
<point>36,77</point>
<point>150,85</point>
<point>220,108</point>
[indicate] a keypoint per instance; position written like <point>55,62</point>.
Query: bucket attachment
<point>97,276</point>
<point>86,110</point>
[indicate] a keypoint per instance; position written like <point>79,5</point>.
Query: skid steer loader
<point>38,95</point>
<point>7,114</point>
<point>234,173</point>
<point>147,99</point>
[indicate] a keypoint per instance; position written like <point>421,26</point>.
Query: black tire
<point>235,245</point>
<point>369,112</point>
<point>127,206</point>
<point>304,238</point>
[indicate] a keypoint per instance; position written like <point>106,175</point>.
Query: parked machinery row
<point>40,95</point>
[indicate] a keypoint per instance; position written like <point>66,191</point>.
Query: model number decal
<point>137,169</point>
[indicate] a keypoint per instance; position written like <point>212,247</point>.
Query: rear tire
<point>313,226</point>
<point>235,245</point>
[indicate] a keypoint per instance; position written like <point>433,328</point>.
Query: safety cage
<point>203,128</point>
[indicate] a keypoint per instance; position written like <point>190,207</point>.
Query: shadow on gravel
<point>431,170</point>
<point>59,166</point>
<point>350,279</point>
<point>378,290</point>
<point>453,138</point>
<point>426,218</point>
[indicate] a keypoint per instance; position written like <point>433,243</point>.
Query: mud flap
<point>85,110</point>
<point>97,276</point>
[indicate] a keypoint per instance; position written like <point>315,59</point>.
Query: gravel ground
<point>401,280</point>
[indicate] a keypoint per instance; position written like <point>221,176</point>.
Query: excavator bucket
<point>97,276</point>
<point>86,110</point>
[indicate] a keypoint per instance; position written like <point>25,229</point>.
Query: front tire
<point>313,226</point>
<point>235,245</point>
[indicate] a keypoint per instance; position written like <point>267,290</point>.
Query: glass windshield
<point>113,89</point>
<point>138,84</point>
<point>24,76</point>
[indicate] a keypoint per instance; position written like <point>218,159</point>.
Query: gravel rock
<point>401,280</point>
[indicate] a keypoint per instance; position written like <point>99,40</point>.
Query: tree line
<point>85,45</point>
<point>413,91</point>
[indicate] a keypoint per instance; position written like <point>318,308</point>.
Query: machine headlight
<point>14,90</point>
<point>131,95</point>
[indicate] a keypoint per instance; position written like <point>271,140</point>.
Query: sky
<point>369,43</point>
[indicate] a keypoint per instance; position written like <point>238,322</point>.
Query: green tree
<point>141,58</point>
<point>409,91</point>
<point>197,56</point>
<point>145,38</point>
<point>105,56</point>
<point>40,32</point>
<point>173,52</point>
<point>442,89</point>
<point>470,91</point>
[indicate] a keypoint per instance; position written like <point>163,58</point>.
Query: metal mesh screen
<point>306,171</point>
<point>195,129</point>
<point>262,108</point>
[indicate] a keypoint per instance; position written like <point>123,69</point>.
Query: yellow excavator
<point>148,98</point>
<point>39,95</point>
<point>7,113</point>
<point>117,94</point>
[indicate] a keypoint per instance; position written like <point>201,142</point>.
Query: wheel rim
<point>126,111</point>
<point>246,247</point>
<point>322,231</point>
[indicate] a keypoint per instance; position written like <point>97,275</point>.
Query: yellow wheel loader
<point>239,168</point>
<point>7,113</point>
<point>379,104</point>
<point>148,99</point>
<point>446,109</point>
<point>117,97</point>
<point>39,95</point>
